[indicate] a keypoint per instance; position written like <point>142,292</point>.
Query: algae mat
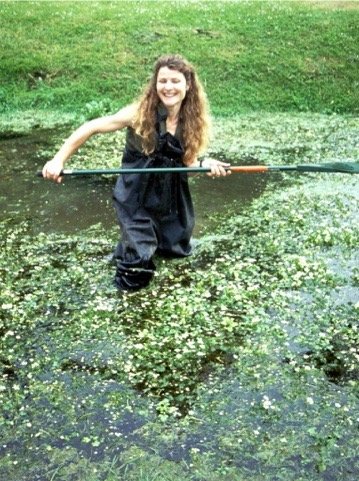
<point>240,363</point>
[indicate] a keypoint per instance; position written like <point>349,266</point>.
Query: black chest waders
<point>154,211</point>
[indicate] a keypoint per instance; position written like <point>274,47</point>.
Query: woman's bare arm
<point>123,118</point>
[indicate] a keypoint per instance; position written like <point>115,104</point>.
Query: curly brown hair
<point>194,113</point>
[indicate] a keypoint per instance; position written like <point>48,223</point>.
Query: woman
<point>167,127</point>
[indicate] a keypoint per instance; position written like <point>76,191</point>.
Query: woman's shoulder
<point>126,115</point>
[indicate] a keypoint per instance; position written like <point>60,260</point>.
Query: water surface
<point>79,203</point>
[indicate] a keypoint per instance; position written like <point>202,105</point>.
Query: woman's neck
<point>173,114</point>
<point>172,120</point>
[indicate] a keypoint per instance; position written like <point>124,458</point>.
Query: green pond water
<point>82,202</point>
<point>239,363</point>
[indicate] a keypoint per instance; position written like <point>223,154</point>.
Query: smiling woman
<point>166,127</point>
<point>176,87</point>
<point>171,89</point>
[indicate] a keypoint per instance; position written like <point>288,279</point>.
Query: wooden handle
<point>249,169</point>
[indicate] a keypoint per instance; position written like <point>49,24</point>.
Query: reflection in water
<point>79,203</point>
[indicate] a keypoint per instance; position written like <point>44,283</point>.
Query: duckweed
<point>239,363</point>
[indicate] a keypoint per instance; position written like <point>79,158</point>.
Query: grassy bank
<point>90,58</point>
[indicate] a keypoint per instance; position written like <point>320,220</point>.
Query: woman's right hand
<point>52,170</point>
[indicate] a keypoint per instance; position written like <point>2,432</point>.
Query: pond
<point>79,203</point>
<point>238,362</point>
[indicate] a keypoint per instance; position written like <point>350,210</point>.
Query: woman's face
<point>171,87</point>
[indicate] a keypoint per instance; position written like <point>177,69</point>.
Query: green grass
<point>271,56</point>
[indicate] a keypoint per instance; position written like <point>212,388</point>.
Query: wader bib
<point>155,211</point>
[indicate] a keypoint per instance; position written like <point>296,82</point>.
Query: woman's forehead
<point>166,72</point>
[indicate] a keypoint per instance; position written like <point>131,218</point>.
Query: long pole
<point>339,167</point>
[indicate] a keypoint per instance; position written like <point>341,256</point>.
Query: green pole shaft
<point>341,167</point>
<point>150,170</point>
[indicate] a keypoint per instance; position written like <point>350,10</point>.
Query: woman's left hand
<point>218,168</point>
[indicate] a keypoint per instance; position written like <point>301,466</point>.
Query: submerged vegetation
<point>240,360</point>
<point>239,363</point>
